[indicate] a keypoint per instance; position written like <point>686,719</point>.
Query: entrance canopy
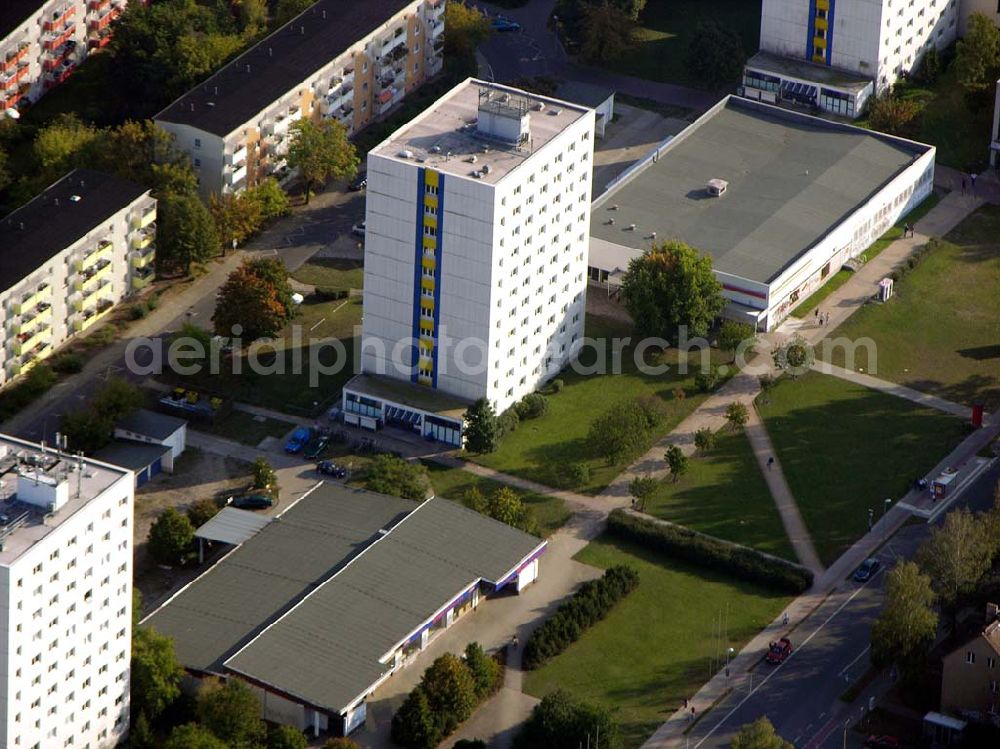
<point>232,526</point>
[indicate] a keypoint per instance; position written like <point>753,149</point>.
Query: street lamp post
<point>871,518</point>
<point>847,724</point>
<point>885,523</point>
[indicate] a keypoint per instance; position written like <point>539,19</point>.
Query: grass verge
<point>845,448</point>
<point>658,645</point>
<point>246,428</point>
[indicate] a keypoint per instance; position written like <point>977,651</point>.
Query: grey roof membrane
<point>244,592</point>
<point>151,424</point>
<point>326,651</point>
<point>792,179</point>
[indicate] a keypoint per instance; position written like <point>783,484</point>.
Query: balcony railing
<point>238,175</point>
<point>88,278</point>
<point>148,219</point>
<point>436,29</point>
<point>33,318</point>
<point>28,341</point>
<point>141,259</point>
<point>102,251</point>
<point>141,278</point>
<point>34,298</point>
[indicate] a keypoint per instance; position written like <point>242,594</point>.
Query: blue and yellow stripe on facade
<point>819,45</point>
<point>430,193</point>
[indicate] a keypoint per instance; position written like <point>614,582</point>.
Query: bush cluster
<point>691,546</point>
<point>39,379</point>
<point>625,429</point>
<point>560,721</point>
<point>507,422</point>
<point>568,475</point>
<point>591,603</point>
<point>328,294</point>
<point>532,406</point>
<point>914,260</point>
<point>448,693</point>
<point>707,381</point>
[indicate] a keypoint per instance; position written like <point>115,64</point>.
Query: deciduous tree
<point>85,430</point>
<point>715,54</point>
<point>795,356</point>
<point>450,690</point>
<point>194,736</point>
<point>704,440</point>
<point>232,713</point>
<point>607,32</point>
<point>890,113</point>
<point>201,511</point>
<point>388,474</point>
<point>506,506</point>
<point>759,735</point>
<point>320,151</point>
<point>737,415</point>
<point>63,145</point>
<point>672,286</point>
<point>466,28</point>
<point>237,217</point>
<point>560,721</point>
<point>977,54</point>
<point>642,488</point>
<point>908,622</point>
<point>271,199</point>
<point>414,725</point>
<point>288,9</point>
<point>186,233</point>
<point>482,433</point>
<point>263,474</point>
<point>677,461</point>
<point>170,537</point>
<point>117,398</point>
<point>156,673</point>
<point>619,433</point>
<point>486,672</point>
<point>288,737</point>
<point>257,296</point>
<point>956,556</point>
<point>732,335</point>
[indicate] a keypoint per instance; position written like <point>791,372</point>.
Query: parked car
<point>299,439</point>
<point>501,23</point>
<point>358,229</point>
<point>867,570</point>
<point>882,742</point>
<point>329,468</point>
<point>358,183</point>
<point>316,447</point>
<point>251,502</point>
<point>779,651</point>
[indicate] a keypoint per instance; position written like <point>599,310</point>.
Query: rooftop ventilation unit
<point>717,187</point>
<point>406,154</point>
<point>487,169</point>
<point>435,149</point>
<point>74,198</point>
<point>631,227</point>
<point>540,107</point>
<point>555,112</point>
<point>477,174</point>
<point>472,159</point>
<point>503,117</point>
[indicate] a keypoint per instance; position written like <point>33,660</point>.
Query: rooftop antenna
<point>79,473</point>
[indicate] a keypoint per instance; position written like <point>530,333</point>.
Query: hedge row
<point>591,603</point>
<point>691,546</point>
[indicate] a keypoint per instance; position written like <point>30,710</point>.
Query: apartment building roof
<point>791,180</point>
<point>278,63</point>
<point>15,12</point>
<point>25,466</point>
<point>448,138</point>
<point>56,218</point>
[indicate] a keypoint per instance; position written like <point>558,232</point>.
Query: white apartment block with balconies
<point>43,42</point>
<point>477,226</point>
<point>834,54</point>
<point>65,599</point>
<point>352,62</point>
<point>68,257</point>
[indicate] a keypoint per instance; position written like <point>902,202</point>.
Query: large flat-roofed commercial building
<point>68,257</point>
<point>475,252</point>
<point>802,196</point>
<point>65,598</point>
<point>43,41</point>
<point>352,62</point>
<point>834,54</point>
<point>320,606</point>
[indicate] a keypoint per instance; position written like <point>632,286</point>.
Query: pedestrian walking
<point>972,180</point>
<point>963,185</point>
<point>685,703</point>
<point>784,619</point>
<point>816,312</point>
<point>692,713</point>
<point>770,462</point>
<point>827,321</point>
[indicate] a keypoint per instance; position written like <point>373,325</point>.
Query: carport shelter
<point>328,600</point>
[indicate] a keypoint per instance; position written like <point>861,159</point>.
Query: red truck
<point>779,651</point>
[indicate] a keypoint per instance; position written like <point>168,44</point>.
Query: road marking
<point>767,678</point>
<point>845,668</point>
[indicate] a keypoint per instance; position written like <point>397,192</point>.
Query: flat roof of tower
<point>22,525</point>
<point>791,178</point>
<point>445,136</point>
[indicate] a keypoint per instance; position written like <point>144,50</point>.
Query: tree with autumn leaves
<point>257,297</point>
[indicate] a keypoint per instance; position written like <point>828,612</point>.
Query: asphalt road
<point>801,697</point>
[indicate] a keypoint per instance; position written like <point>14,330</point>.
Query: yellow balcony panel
<point>141,281</point>
<point>430,220</point>
<point>426,302</point>
<point>36,356</point>
<point>427,283</point>
<point>427,329</point>
<point>820,24</point>
<point>32,300</point>
<point>819,43</point>
<point>431,200</point>
<point>424,380</point>
<point>103,251</point>
<point>27,342</point>
<point>430,242</point>
<point>820,58</point>
<point>428,262</point>
<point>147,219</point>
<point>91,278</point>
<point>431,178</point>
<point>142,240</point>
<point>91,316</point>
<point>38,317</point>
<point>143,260</point>
<point>822,4</point>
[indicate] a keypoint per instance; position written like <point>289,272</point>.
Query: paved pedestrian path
<point>892,388</point>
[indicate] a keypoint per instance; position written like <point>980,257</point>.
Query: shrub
<point>532,406</point>
<point>170,537</point>
<point>413,725</point>
<point>508,421</point>
<point>201,511</point>
<point>469,744</point>
<point>340,742</point>
<point>557,385</point>
<point>487,675</point>
<point>569,475</point>
<point>704,440</point>
<point>400,478</point>
<point>688,545</point>
<point>560,721</point>
<point>591,603</point>
<point>68,363</point>
<point>152,301</point>
<point>706,381</point>
<point>737,415</point>
<point>328,294</point>
<point>18,396</point>
<point>137,311</point>
<point>624,430</point>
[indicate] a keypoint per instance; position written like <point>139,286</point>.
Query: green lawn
<point>665,28</point>
<point>452,483</point>
<point>845,448</point>
<point>247,428</point>
<point>656,647</point>
<point>724,495</point>
<point>331,273</point>
<point>841,276</point>
<point>940,332</point>
<point>285,382</point>
<point>540,445</point>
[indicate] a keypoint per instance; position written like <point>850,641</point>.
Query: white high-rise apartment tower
<point>476,242</point>
<point>65,599</point>
<point>834,54</point>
